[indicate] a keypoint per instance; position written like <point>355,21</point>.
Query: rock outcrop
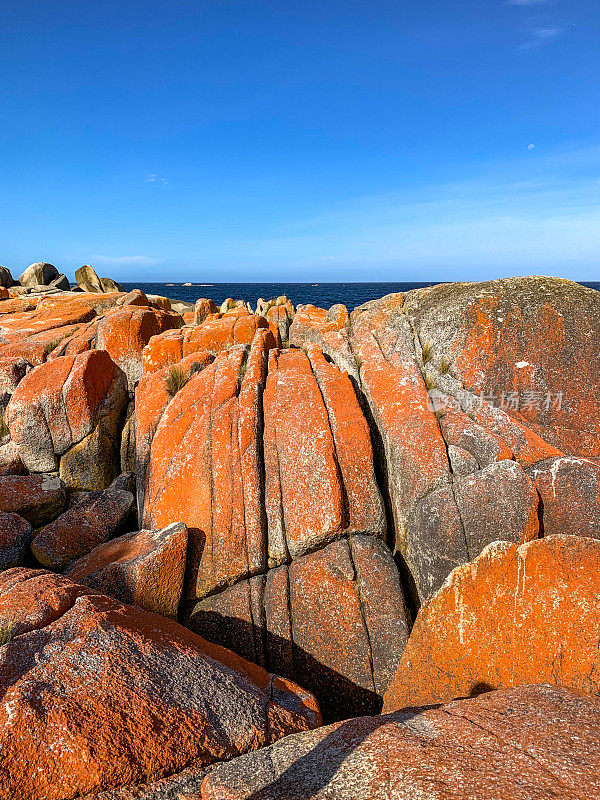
<point>301,486</point>
<point>65,415</point>
<point>145,568</point>
<point>39,274</point>
<point>503,745</point>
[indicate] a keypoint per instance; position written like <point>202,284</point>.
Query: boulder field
<point>285,553</point>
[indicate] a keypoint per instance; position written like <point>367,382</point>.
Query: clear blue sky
<point>191,140</point>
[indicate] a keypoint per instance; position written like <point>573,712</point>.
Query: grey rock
<point>15,533</point>
<point>40,273</point>
<point>6,278</point>
<point>62,282</point>
<point>87,279</point>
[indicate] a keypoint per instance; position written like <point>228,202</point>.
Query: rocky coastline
<point>281,553</point>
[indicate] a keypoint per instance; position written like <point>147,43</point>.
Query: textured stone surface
<point>81,528</point>
<point>333,620</point>
<point>145,568</point>
<point>125,331</point>
<point>15,533</point>
<point>40,273</point>
<point>205,468</point>
<point>530,743</point>
<point>569,489</point>
<point>59,403</point>
<point>515,615</point>
<point>37,498</point>
<point>127,696</point>
<point>530,336</point>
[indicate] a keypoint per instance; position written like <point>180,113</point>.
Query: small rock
<point>91,522</point>
<point>144,568</point>
<point>38,498</point>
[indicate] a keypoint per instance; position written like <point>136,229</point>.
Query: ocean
<point>319,294</point>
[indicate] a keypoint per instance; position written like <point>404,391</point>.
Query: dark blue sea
<point>319,294</point>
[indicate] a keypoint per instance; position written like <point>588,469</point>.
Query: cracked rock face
<point>303,477</point>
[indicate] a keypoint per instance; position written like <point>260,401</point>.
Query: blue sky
<point>191,140</point>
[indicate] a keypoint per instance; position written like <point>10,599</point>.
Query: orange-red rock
<point>38,498</point>
<point>93,520</point>
<point>533,742</point>
<point>124,332</point>
<point>152,396</point>
<point>202,309</point>
<point>414,449</point>
<point>528,341</point>
<point>127,696</point>
<point>145,568</point>
<point>328,329</point>
<point>205,468</point>
<point>60,403</point>
<point>334,619</point>
<point>219,332</point>
<point>280,318</point>
<point>513,616</point>
<point>12,371</point>
<point>353,450</point>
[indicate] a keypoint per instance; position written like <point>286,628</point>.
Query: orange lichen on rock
<point>515,615</point>
<point>204,468</point>
<point>128,696</point>
<point>59,403</point>
<point>125,331</point>
<point>145,568</point>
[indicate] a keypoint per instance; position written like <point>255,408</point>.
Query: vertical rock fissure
<point>346,510</point>
<point>357,580</point>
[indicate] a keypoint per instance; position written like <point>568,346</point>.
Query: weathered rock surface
<point>533,337</point>
<point>39,274</point>
<point>69,401</point>
<point>124,332</point>
<point>329,330</point>
<point>145,568</point>
<point>513,616</point>
<point>6,278</point>
<point>38,498</point>
<point>15,533</point>
<point>205,469</point>
<point>128,696</point>
<point>93,520</point>
<point>569,490</point>
<point>320,480</point>
<point>333,620</point>
<point>532,742</point>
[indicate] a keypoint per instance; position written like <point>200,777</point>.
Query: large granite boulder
<point>87,279</point>
<point>531,742</point>
<point>515,615</point>
<point>65,415</point>
<point>6,278</point>
<point>37,498</point>
<point>90,522</point>
<point>39,274</point>
<point>124,332</point>
<point>97,694</point>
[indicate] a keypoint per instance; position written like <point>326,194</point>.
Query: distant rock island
<point>281,552</point>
